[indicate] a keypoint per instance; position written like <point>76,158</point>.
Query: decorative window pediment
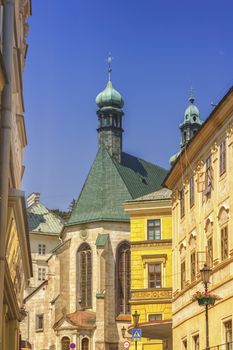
<point>223,215</point>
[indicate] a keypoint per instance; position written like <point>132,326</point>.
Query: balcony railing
<point>225,346</point>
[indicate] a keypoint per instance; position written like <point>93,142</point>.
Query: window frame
<point>222,157</point>
<point>39,317</point>
<point>191,192</point>
<point>154,227</point>
<point>182,203</point>
<point>210,248</point>
<point>41,249</point>
<point>208,175</point>
<point>193,264</point>
<point>224,242</point>
<point>182,274</point>
<point>41,273</point>
<point>196,341</point>
<point>154,274</point>
<point>160,317</point>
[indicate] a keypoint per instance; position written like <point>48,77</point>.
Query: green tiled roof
<point>41,220</point>
<point>110,183</point>
<point>101,239</point>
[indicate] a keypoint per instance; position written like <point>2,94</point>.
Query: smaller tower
<point>190,125</point>
<point>110,113</point>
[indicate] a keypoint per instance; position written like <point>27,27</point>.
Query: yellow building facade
<point>202,212</point>
<point>151,267</point>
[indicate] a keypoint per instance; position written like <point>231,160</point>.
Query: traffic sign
<point>72,346</point>
<point>126,344</point>
<point>136,333</point>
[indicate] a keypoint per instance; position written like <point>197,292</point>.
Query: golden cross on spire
<point>109,60</point>
<point>191,98</point>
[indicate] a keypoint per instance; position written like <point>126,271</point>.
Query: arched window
<point>85,344</point>
<point>123,278</point>
<point>84,276</point>
<point>65,342</point>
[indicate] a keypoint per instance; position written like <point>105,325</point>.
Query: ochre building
<point>202,214</point>
<point>151,268</point>
<point>15,259</point>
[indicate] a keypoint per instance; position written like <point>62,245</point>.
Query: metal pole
<point>207,321</point>
<point>136,344</point>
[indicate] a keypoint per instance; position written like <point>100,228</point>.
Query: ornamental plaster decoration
<point>192,239</point>
<point>223,188</point>
<point>209,225</point>
<point>230,134</point>
<point>83,235</point>
<point>182,249</point>
<point>223,215</point>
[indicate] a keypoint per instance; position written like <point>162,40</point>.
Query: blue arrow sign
<point>136,333</point>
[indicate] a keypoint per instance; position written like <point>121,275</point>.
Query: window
<point>39,322</point>
<point>123,279</point>
<point>182,208</point>
<point>41,274</point>
<point>41,249</point>
<point>224,243</point>
<point>222,159</point>
<point>184,344</point>
<point>208,176</point>
<point>85,344</point>
<point>228,334</point>
<point>154,275</point>
<point>196,342</point>
<point>182,274</point>
<point>65,343</point>
<point>155,317</point>
<point>191,192</point>
<point>84,276</point>
<point>210,252</point>
<point>193,265</point>
<point>153,229</point>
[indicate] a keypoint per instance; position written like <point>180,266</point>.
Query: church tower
<point>110,113</point>
<point>190,125</point>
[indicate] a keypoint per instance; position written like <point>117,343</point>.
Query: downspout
<point>5,140</point>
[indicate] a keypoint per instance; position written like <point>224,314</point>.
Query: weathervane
<point>191,98</point>
<point>109,60</point>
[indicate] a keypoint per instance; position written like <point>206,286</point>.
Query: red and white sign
<point>126,344</point>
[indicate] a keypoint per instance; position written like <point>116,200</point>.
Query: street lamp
<point>135,323</point>
<point>123,331</point>
<point>205,277</point>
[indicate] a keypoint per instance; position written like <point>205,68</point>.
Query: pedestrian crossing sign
<point>136,333</point>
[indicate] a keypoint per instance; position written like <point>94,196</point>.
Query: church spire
<point>110,103</point>
<point>190,125</point>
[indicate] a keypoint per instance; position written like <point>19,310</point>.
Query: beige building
<point>15,260</point>
<point>44,230</point>
<point>202,212</point>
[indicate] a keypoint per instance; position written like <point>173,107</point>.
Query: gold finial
<point>109,60</point>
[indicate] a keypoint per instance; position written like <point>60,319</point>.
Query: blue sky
<point>160,49</point>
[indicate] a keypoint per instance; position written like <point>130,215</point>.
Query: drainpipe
<point>5,140</point>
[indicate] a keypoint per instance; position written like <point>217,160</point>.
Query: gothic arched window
<point>65,342</point>
<point>85,344</point>
<point>84,276</point>
<point>123,278</point>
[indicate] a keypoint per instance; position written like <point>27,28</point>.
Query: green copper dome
<point>192,114</point>
<point>109,97</point>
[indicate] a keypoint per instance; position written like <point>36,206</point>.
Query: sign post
<point>126,344</point>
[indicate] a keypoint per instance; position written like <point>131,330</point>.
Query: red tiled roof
<point>83,319</point>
